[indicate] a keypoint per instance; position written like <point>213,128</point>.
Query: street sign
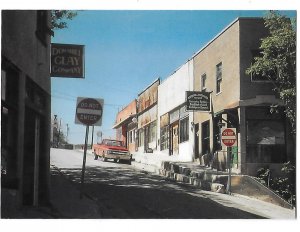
<point>89,111</point>
<point>67,60</point>
<point>228,137</point>
<point>197,101</point>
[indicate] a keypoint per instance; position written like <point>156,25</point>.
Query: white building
<point>175,132</point>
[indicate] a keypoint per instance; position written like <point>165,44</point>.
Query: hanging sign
<point>89,111</point>
<point>228,137</point>
<point>197,101</point>
<point>67,60</point>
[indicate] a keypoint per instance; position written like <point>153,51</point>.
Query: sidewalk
<point>65,203</point>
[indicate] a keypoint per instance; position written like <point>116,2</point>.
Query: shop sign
<point>67,60</point>
<point>197,101</point>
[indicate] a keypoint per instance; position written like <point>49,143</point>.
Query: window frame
<point>219,77</point>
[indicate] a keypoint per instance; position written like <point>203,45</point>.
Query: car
<point>112,149</point>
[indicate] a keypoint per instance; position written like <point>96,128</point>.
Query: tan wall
<point>224,49</point>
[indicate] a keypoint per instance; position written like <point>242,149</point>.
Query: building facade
<point>175,127</point>
<point>25,105</point>
<point>126,126</point>
<point>147,118</point>
<point>239,101</point>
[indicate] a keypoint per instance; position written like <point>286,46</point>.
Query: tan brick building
<point>240,101</point>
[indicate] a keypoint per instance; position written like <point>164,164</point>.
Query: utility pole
<point>67,133</point>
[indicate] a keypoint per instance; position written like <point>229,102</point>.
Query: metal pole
<point>92,137</point>
<point>228,190</point>
<point>84,160</point>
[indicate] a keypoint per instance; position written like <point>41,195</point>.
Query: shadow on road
<point>126,193</point>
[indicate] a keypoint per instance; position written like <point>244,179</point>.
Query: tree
<point>59,17</point>
<point>277,61</point>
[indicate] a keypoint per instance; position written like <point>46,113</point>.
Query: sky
<point>125,51</point>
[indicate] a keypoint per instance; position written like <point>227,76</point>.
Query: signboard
<point>67,60</point>
<point>197,101</point>
<point>89,111</point>
<point>228,137</point>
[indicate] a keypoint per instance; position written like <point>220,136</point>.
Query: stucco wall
<point>23,48</point>
<point>172,94</point>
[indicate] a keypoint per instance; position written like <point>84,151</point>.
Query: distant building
<point>126,126</point>
<point>240,101</point>
<point>147,118</point>
<point>25,107</point>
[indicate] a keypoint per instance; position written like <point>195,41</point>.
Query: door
<point>175,137</point>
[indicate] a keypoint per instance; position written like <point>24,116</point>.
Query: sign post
<point>88,112</point>
<point>229,140</point>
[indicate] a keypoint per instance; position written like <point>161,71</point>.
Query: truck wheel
<point>115,160</point>
<point>129,162</point>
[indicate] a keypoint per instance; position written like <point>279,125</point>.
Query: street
<point>124,192</point>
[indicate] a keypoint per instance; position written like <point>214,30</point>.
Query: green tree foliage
<point>284,184</point>
<point>277,60</point>
<point>59,17</point>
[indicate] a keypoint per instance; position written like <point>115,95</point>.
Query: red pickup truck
<point>112,149</point>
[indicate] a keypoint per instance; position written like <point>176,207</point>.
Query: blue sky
<point>125,51</point>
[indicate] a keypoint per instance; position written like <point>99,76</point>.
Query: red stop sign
<point>89,111</point>
<point>229,137</point>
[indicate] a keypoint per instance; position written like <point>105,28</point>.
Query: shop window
<point>205,138</point>
<point>152,132</point>
<point>218,78</point>
<point>266,141</point>
<point>164,138</point>
<point>141,137</point>
<point>184,129</point>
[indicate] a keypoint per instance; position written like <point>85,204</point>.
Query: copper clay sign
<point>67,60</point>
<point>89,111</point>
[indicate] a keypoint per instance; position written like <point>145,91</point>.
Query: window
<point>205,138</point>
<point>42,29</point>
<point>152,132</point>
<point>184,129</point>
<point>218,77</point>
<point>141,137</point>
<point>164,138</point>
<point>203,82</point>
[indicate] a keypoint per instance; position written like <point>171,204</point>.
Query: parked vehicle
<point>112,149</point>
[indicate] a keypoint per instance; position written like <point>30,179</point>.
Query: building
<point>147,118</point>
<point>126,126</point>
<point>239,101</point>
<point>25,107</point>
<point>175,124</point>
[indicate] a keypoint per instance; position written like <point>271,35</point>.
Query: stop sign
<point>89,111</point>
<point>229,137</point>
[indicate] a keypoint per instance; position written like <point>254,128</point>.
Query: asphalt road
<point>124,192</point>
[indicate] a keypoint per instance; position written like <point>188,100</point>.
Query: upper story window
<point>218,77</point>
<point>258,77</point>
<point>42,29</point>
<point>203,82</point>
